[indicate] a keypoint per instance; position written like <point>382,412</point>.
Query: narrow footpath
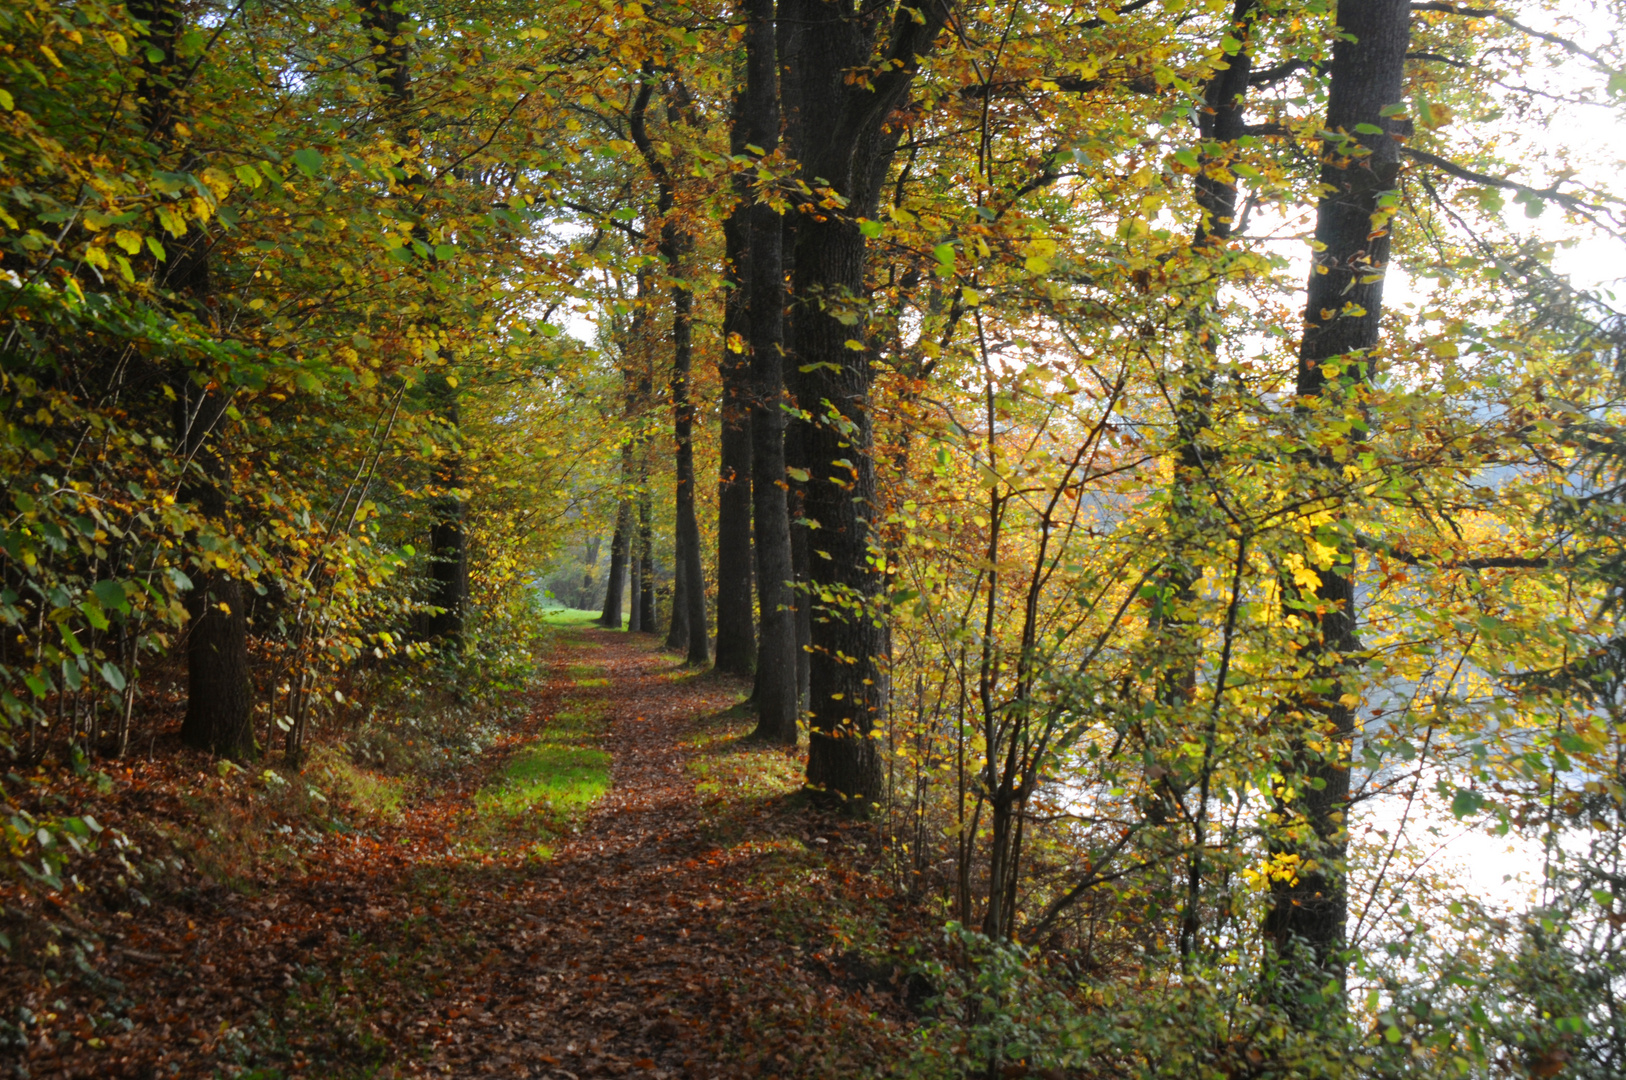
<point>695,921</point>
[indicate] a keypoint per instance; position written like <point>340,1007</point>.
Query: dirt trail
<point>674,935</point>
<point>619,958</point>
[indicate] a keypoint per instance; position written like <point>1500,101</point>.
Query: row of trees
<point>1144,577</point>
<point>1046,497</point>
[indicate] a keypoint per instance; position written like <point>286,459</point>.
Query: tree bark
<point>219,703</point>
<point>620,547</point>
<point>778,703</point>
<point>688,525</point>
<point>448,551</point>
<point>677,626</point>
<point>689,628</point>
<point>448,548</point>
<point>219,697</point>
<point>1305,924</point>
<point>736,636</point>
<point>845,143</point>
<point>646,557</point>
<point>635,616</point>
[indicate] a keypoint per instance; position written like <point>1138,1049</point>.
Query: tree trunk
<point>635,617</point>
<point>646,559</point>
<point>689,589</point>
<point>688,526</point>
<point>620,548</point>
<point>1306,920</point>
<point>448,554</point>
<point>1192,522</point>
<point>778,703</point>
<point>844,143</point>
<point>736,637</point>
<point>677,627</point>
<point>219,703</point>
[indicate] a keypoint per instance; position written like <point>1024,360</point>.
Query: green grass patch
<point>369,793</point>
<point>564,616</point>
<point>727,764</point>
<point>550,779</point>
<point>549,784</point>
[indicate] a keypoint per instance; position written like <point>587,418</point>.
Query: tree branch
<point>1489,562</point>
<point>1462,173</point>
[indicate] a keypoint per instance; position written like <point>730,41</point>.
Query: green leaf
<point>94,614</point>
<point>1188,158</point>
<point>1368,129</point>
<point>111,594</point>
<point>248,176</point>
<point>310,161</point>
<point>445,252</point>
<point>801,476</point>
<point>944,254</point>
<point>112,676</point>
<point>1466,803</point>
<point>871,229</point>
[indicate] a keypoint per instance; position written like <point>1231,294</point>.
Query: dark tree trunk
<point>689,628</point>
<point>844,142</point>
<point>736,637</point>
<point>448,553</point>
<point>646,560</point>
<point>620,548</point>
<point>635,616</point>
<point>1306,920</point>
<point>778,703</point>
<point>688,526</point>
<point>677,627</point>
<point>219,703</point>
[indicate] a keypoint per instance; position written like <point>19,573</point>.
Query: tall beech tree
<point>736,636</point>
<point>1359,178</point>
<point>845,140</point>
<point>776,695</point>
<point>448,562</point>
<point>689,624</point>
<point>219,702</point>
<point>620,546</point>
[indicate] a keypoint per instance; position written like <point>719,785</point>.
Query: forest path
<point>695,921</point>
<point>615,962</point>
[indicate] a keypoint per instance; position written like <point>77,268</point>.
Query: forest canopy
<point>1156,467</point>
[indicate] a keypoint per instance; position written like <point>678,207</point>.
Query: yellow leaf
<point>1322,555</point>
